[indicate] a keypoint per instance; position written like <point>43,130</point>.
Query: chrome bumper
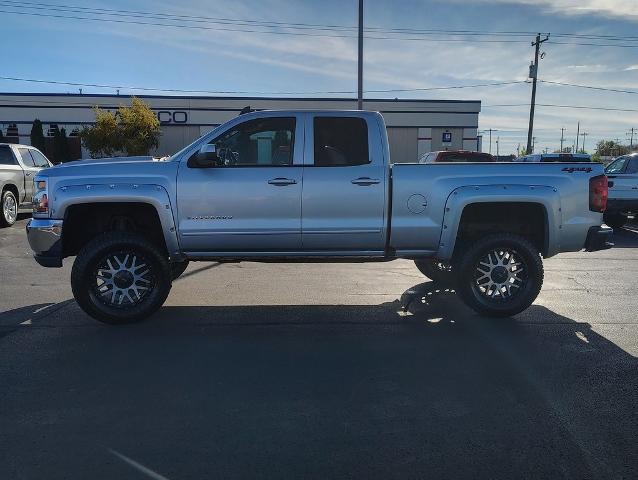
<point>45,239</point>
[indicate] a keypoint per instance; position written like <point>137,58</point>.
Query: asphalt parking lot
<point>321,371</point>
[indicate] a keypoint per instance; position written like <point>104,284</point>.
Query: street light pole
<point>360,61</point>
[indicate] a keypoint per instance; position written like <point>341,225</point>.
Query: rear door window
<point>6,156</point>
<point>27,159</point>
<point>340,141</point>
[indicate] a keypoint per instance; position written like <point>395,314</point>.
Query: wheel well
<point>12,188</point>
<point>85,221</point>
<point>522,218</point>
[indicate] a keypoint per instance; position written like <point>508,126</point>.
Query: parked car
<point>623,190</point>
<point>303,185</point>
<point>456,156</point>
<point>18,166</point>
<point>555,157</point>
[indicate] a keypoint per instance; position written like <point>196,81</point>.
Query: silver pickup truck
<point>18,165</point>
<point>299,185</point>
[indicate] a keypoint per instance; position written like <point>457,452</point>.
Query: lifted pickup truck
<point>18,166</point>
<point>300,185</point>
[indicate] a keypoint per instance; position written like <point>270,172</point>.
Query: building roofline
<point>212,97</point>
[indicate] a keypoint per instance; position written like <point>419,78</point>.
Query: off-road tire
<point>94,253</point>
<point>5,221</point>
<point>615,220</point>
<point>435,270</point>
<point>468,286</point>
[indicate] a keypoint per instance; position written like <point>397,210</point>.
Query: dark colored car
<point>456,156</point>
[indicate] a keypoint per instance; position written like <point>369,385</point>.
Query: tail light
<point>598,193</point>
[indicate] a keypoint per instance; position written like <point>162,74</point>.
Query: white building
<point>414,126</point>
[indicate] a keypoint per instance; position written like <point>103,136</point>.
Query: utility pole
<point>533,144</point>
<point>533,73</point>
<point>584,134</point>
<point>577,135</point>
<point>497,150</point>
<point>562,138</point>
<point>360,62</point>
<point>489,130</point>
<point>631,138</point>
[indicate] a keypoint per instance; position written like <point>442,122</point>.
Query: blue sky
<point>85,51</point>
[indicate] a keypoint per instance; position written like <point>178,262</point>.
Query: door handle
<point>28,174</point>
<point>364,181</point>
<point>281,182</point>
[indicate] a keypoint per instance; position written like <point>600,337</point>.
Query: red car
<point>456,156</point>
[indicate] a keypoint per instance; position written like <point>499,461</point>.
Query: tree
<point>37,135</point>
<point>2,139</point>
<point>133,130</point>
<point>101,139</point>
<point>610,148</point>
<point>60,146</point>
<point>139,128</point>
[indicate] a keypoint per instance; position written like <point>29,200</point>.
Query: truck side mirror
<point>205,157</point>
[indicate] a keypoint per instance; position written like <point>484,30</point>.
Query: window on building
<point>340,141</point>
<point>12,130</point>
<point>53,129</point>
<point>261,142</point>
<point>6,156</point>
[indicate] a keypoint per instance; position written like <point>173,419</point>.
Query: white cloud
<point>626,9</point>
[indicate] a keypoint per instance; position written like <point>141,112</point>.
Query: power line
<point>178,90</point>
<point>206,19</point>
<point>297,26</point>
<point>590,87</point>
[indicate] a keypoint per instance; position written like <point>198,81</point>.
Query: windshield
<point>617,166</point>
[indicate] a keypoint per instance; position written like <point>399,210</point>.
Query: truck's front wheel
<point>120,277</point>
<point>500,275</point>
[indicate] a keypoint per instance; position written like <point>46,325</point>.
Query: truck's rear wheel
<point>120,277</point>
<point>9,213</point>
<point>435,270</point>
<point>614,220</point>
<point>500,275</point>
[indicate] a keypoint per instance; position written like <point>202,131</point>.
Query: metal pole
<point>577,135</point>
<point>490,141</point>
<point>360,73</point>
<point>562,138</point>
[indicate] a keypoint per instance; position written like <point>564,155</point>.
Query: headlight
<point>40,198</point>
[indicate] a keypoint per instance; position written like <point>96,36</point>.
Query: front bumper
<point>599,238</point>
<point>45,239</point>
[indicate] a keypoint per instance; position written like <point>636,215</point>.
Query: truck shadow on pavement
<point>420,387</point>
